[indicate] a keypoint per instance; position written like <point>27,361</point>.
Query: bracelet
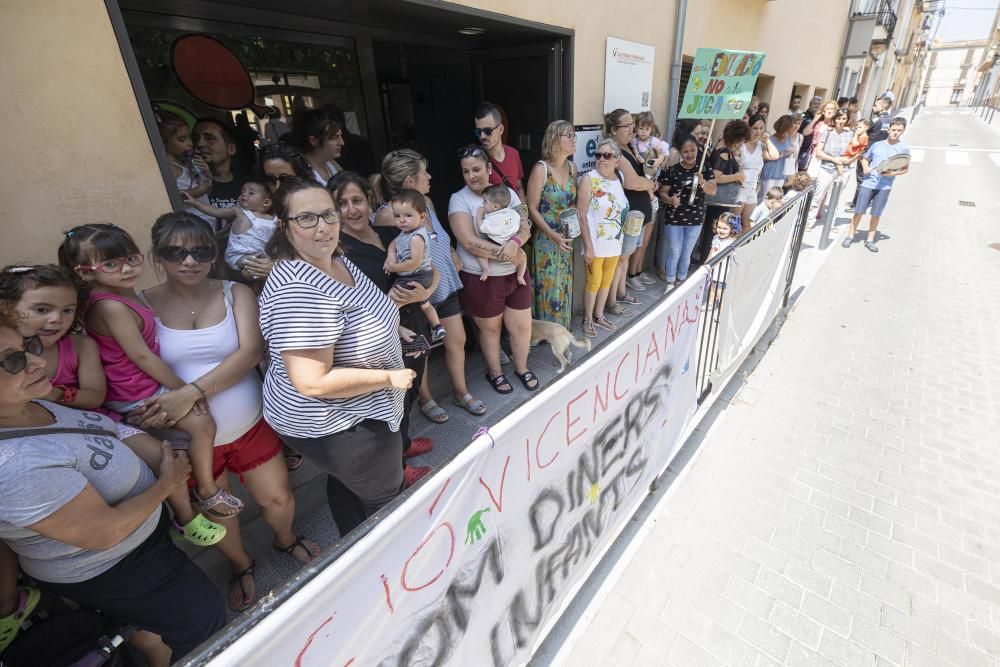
<point>198,387</point>
<point>69,394</point>
<point>516,239</point>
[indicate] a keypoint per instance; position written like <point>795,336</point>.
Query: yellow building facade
<point>81,77</point>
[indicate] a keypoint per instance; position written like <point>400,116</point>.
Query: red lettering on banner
<point>527,455</point>
<point>636,363</point>
<point>309,641</point>
<point>451,552</point>
<point>538,444</point>
<point>603,402</point>
<point>685,317</point>
<point>570,422</point>
<point>388,595</point>
<point>617,373</point>
<point>503,479</point>
<point>430,510</point>
<point>652,349</point>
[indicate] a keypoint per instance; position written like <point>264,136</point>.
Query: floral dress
<point>553,269</point>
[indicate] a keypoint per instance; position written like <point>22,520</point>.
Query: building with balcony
<point>952,68</point>
<point>987,95</point>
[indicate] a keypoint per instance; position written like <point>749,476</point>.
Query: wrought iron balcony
<point>884,14</point>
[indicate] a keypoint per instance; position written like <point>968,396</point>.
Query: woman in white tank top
<point>210,336</point>
<point>753,152</point>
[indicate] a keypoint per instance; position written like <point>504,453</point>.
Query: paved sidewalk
<point>845,510</point>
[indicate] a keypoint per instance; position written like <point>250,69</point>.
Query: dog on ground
<point>559,338</point>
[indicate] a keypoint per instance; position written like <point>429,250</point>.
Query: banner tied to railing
<point>476,564</point>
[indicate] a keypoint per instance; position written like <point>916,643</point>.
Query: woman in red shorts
<point>500,300</point>
<point>210,336</point>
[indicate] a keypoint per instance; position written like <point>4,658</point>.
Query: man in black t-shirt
<point>216,144</point>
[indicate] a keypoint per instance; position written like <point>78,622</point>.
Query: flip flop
<point>471,404</point>
<point>588,329</point>
<point>434,412</point>
<point>527,377</point>
<point>605,323</point>
<point>499,381</point>
<point>220,497</point>
<point>619,310</point>
<point>628,298</point>
<point>237,579</point>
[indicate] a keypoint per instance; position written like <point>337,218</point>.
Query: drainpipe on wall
<point>675,68</point>
<point>839,81</point>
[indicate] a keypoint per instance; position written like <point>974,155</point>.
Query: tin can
<point>569,220</point>
<point>633,223</point>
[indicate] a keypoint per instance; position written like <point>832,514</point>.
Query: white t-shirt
<point>184,183</point>
<point>323,181</point>
<point>467,201</point>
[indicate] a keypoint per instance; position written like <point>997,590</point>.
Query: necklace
<point>201,300</point>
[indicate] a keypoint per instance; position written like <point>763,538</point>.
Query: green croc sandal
<point>27,600</point>
<point>200,531</point>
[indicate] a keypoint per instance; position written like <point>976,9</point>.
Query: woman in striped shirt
<point>335,384</point>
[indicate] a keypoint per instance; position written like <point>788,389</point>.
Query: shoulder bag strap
<point>53,430</point>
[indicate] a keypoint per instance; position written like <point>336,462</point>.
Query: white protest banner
<point>587,137</point>
<point>754,289</point>
<point>475,566</point>
<point>628,75</point>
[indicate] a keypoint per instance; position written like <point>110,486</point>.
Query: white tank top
<point>193,352</point>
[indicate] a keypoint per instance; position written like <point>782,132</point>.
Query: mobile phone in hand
<point>415,346</point>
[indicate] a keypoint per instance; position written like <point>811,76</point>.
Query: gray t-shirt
<point>403,252</point>
<point>467,201</point>
<point>40,474</point>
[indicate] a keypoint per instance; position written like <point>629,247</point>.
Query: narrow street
<point>845,509</point>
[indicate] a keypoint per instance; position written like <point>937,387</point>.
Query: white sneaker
<point>646,278</point>
<point>635,284</point>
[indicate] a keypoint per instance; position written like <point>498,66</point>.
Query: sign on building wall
<point>587,137</point>
<point>628,75</point>
<point>721,84</point>
<point>475,565</point>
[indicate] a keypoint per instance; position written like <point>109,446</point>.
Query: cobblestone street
<point>845,509</point>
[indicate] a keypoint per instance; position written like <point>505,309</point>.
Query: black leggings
<point>155,588</point>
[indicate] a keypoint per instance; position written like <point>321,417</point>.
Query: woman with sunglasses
<point>210,337</point>
<point>602,203</point>
<point>552,190</point>
<point>84,513</point>
<point>336,384</point>
<point>279,162</point>
<point>620,128</point>
<point>499,301</point>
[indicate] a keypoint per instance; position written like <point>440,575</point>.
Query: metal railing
<point>715,296</point>
<point>882,10</point>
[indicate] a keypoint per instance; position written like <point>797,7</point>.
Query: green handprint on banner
<point>475,527</point>
<point>594,493</point>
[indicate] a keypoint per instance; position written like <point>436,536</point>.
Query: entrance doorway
<point>405,73</point>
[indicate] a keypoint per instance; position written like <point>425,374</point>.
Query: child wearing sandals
<point>109,263</point>
<point>48,303</point>
<point>253,223</point>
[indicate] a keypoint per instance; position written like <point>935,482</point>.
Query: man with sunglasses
<point>507,168</point>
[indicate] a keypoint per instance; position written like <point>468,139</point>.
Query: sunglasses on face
<point>604,156</point>
<point>280,178</point>
<point>177,254</point>
<point>113,265</point>
<point>310,220</point>
<point>488,131</point>
<point>15,362</point>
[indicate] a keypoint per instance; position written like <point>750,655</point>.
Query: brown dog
<point>559,339</point>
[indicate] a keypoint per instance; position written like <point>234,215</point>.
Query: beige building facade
<point>952,69</point>
<point>84,146</point>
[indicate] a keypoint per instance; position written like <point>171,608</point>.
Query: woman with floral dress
<point>552,190</point>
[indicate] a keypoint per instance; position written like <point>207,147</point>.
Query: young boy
<point>409,254</point>
<point>876,186</point>
<point>499,222</point>
<point>772,201</point>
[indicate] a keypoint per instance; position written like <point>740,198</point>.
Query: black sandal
<point>527,377</point>
<point>499,381</point>
<point>237,579</point>
<point>297,544</point>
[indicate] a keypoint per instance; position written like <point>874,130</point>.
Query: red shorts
<point>257,446</point>
<point>488,298</point>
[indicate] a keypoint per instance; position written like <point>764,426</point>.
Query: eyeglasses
<point>470,151</point>
<point>488,131</point>
<point>571,136</point>
<point>310,220</point>
<point>15,362</point>
<point>631,126</point>
<point>114,265</point>
<point>604,156</point>
<point>280,178</point>
<point>177,254</point>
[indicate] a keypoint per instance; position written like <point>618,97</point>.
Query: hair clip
<point>70,234</point>
<point>19,269</point>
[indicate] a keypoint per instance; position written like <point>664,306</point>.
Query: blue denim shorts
<point>877,199</point>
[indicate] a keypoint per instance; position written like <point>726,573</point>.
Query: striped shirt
<point>302,308</point>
